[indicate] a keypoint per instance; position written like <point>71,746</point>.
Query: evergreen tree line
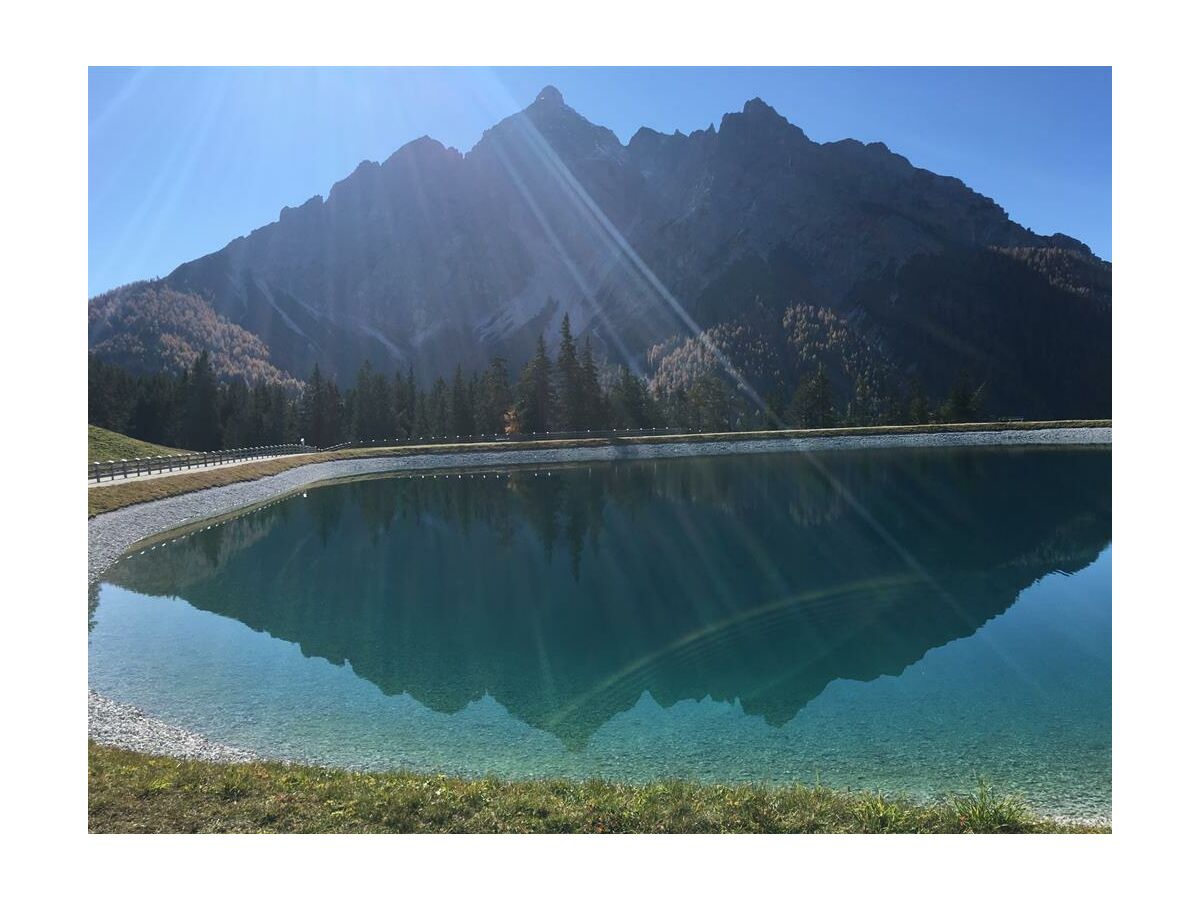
<point>192,410</point>
<point>195,410</point>
<point>813,404</point>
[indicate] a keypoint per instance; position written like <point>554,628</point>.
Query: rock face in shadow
<point>566,595</point>
<point>435,257</point>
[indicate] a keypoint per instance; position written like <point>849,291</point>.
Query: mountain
<point>435,257</point>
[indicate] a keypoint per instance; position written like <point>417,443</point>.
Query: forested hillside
<point>566,392</point>
<point>149,327</point>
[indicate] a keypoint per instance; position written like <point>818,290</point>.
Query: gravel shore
<point>121,725</point>
<point>109,535</point>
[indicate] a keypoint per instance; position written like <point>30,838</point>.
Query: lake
<point>903,620</point>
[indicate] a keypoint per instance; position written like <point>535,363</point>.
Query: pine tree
<point>238,427</point>
<point>202,425</point>
<point>675,407</point>
<point>439,409</point>
<point>274,416</point>
<point>594,405</point>
<point>311,411</point>
<point>335,415</point>
<point>632,404</point>
<point>421,425</point>
<point>315,424</point>
<point>569,413</point>
<point>403,412</point>
<point>709,407</point>
<point>823,413</point>
<point>495,397</point>
<point>112,393</point>
<point>157,413</point>
<point>918,405</point>
<point>535,400</point>
<point>860,410</point>
<point>360,403</point>
<point>964,403</point>
<point>321,411</point>
<point>373,414</point>
<point>812,403</point>
<point>461,418</point>
<point>473,390</point>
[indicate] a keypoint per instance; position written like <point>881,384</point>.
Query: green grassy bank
<point>104,445</point>
<point>131,792</point>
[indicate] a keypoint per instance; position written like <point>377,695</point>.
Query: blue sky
<point>181,161</point>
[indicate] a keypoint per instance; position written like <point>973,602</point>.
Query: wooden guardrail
<point>147,465</point>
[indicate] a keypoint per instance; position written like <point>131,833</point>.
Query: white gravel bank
<point>110,534</point>
<point>121,725</point>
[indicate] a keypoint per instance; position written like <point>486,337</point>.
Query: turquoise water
<point>906,620</point>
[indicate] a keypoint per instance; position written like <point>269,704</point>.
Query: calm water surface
<point>906,620</point>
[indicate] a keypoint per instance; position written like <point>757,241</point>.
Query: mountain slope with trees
<point>149,327</point>
<point>554,394</point>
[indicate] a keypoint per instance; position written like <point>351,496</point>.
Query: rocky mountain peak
<point>757,121</point>
<point>756,106</point>
<point>549,119</point>
<point>549,96</point>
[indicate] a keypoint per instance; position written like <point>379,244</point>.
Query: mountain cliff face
<point>434,258</point>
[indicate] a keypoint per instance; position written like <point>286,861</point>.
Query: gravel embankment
<point>121,725</point>
<point>110,534</point>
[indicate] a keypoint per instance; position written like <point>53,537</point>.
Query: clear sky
<point>181,161</point>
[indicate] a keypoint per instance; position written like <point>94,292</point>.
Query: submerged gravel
<point>121,725</point>
<point>110,534</point>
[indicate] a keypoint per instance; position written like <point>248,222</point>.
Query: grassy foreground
<point>115,495</point>
<point>104,445</point>
<point>131,792</point>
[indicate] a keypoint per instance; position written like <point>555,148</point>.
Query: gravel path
<point>109,535</point>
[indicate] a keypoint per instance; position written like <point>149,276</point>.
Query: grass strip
<point>104,445</point>
<point>133,792</point>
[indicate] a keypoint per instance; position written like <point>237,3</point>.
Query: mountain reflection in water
<point>567,594</point>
